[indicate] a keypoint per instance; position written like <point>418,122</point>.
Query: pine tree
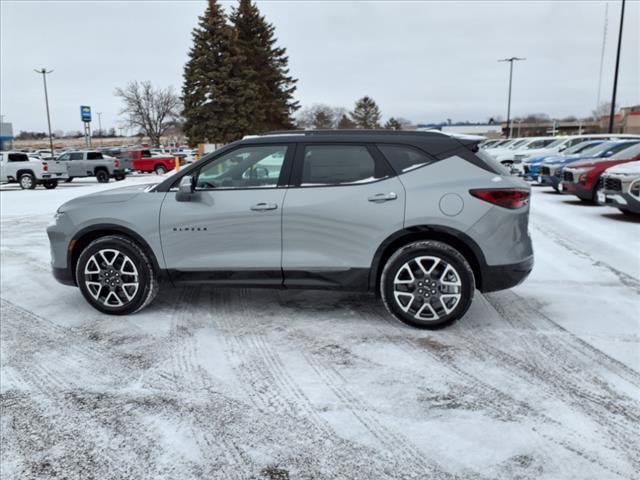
<point>218,94</point>
<point>366,113</point>
<point>345,123</point>
<point>393,124</point>
<point>275,87</point>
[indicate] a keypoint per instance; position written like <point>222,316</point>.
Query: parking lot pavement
<point>538,382</point>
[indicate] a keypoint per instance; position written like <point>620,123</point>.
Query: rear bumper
<point>502,277</point>
<point>63,275</point>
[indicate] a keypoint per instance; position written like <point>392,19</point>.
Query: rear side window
<point>145,154</point>
<point>403,159</point>
<point>94,156</point>
<point>18,157</point>
<point>76,156</point>
<point>338,165</point>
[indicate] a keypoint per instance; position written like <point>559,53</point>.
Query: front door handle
<point>383,197</point>
<point>262,207</point>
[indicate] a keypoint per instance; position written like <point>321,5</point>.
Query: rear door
<point>343,202</point>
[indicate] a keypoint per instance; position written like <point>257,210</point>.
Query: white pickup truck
<point>29,172</point>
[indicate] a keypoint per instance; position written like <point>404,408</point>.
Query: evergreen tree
<point>345,123</point>
<point>219,96</point>
<point>274,86</point>
<point>366,113</point>
<point>393,124</point>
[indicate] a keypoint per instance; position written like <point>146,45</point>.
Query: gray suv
<point>420,218</point>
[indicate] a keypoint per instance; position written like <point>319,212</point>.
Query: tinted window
<point>403,159</point>
<point>145,154</point>
<point>18,157</point>
<point>94,156</point>
<point>337,165</point>
<point>76,156</point>
<point>249,167</point>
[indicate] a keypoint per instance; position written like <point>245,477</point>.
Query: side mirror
<point>185,189</point>
<point>562,148</point>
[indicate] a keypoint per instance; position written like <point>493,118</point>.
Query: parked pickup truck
<point>144,161</point>
<point>91,163</point>
<point>29,171</point>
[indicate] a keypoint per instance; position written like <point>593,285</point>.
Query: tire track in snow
<point>481,348</point>
<point>264,370</point>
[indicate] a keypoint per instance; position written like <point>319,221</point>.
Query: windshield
<point>585,149</point>
<point>518,144</point>
<point>628,153</point>
<point>556,143</point>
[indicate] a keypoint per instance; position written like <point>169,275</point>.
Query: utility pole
<point>100,126</point>
<point>615,77</point>
<point>510,60</point>
<point>44,73</point>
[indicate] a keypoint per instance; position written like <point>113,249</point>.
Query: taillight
<point>116,163</point>
<point>503,197</point>
<point>45,166</point>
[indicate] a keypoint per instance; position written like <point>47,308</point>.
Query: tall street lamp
<point>100,126</point>
<point>44,73</point>
<point>615,77</point>
<point>510,60</point>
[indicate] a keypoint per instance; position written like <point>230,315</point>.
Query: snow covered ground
<point>540,382</point>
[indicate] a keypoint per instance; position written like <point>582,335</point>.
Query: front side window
<point>145,154</point>
<point>338,165</point>
<point>248,167</point>
<point>64,157</point>
<point>76,156</point>
<point>403,159</point>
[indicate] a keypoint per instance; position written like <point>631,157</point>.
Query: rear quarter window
<point>403,159</point>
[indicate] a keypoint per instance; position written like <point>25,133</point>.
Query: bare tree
<point>152,111</point>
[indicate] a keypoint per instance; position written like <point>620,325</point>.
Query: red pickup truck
<point>144,161</point>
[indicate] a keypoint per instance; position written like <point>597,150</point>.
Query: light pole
<point>510,60</point>
<point>615,77</point>
<point>44,73</point>
<point>100,125</point>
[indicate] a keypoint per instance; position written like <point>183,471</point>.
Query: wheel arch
<point>87,235</point>
<point>22,171</point>
<point>458,240</point>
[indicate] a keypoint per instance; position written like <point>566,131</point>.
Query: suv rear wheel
<point>427,284</point>
<point>116,276</point>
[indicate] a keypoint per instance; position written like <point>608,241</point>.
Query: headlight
<point>58,215</point>
<point>634,189</point>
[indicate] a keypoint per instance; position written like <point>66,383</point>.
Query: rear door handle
<point>382,197</point>
<point>261,207</point>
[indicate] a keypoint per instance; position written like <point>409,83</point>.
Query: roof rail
<point>357,131</point>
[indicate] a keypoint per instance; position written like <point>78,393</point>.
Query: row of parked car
<point>30,170</point>
<point>599,168</point>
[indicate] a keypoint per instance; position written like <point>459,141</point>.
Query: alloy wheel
<point>111,278</point>
<point>427,287</point>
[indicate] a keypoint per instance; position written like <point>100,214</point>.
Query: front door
<point>76,165</point>
<point>230,230</point>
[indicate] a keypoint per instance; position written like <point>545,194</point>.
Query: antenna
<point>604,42</point>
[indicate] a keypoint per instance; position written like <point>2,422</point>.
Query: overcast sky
<point>425,61</point>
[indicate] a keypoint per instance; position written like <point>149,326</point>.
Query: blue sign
<point>85,113</point>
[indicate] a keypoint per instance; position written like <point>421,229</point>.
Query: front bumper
<point>577,189</point>
<point>624,201</point>
<point>502,277</point>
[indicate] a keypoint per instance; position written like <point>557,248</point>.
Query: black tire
<point>147,279</point>
<point>119,178</point>
<point>102,176</point>
<point>629,212</point>
<point>444,253</point>
<point>50,184</point>
<point>27,181</point>
<point>68,180</point>
<point>160,169</point>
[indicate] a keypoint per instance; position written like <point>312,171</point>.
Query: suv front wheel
<point>116,276</point>
<point>427,284</point>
